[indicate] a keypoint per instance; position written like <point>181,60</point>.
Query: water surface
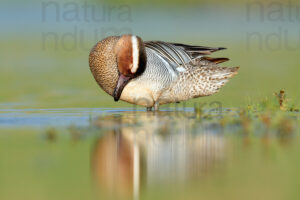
<point>124,154</point>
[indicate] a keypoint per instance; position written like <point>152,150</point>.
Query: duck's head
<point>131,61</point>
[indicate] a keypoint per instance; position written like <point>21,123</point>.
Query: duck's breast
<point>147,88</point>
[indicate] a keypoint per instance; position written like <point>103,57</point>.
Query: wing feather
<point>179,55</point>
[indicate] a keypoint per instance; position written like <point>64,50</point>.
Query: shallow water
<point>93,153</point>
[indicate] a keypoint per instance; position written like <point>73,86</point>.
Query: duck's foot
<point>156,106</point>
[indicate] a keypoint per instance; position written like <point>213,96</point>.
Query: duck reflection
<point>140,150</point>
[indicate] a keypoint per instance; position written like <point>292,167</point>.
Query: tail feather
<point>221,73</point>
<point>200,81</point>
<point>215,60</point>
<point>220,76</point>
<point>212,79</point>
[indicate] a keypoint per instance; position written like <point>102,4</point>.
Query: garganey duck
<point>153,73</point>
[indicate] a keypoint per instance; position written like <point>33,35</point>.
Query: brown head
<point>131,61</point>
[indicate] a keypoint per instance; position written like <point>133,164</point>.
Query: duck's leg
<point>156,106</point>
<point>149,108</point>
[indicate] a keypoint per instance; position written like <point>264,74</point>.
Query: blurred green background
<point>45,45</point>
<point>44,64</point>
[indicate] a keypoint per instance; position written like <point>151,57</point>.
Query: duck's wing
<point>196,73</point>
<point>180,55</point>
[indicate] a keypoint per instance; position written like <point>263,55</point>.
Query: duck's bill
<point>122,81</point>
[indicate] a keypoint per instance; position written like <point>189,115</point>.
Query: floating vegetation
<point>74,133</point>
<point>282,100</point>
<point>51,135</point>
<point>285,130</point>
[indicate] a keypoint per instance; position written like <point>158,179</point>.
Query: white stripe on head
<point>135,54</point>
